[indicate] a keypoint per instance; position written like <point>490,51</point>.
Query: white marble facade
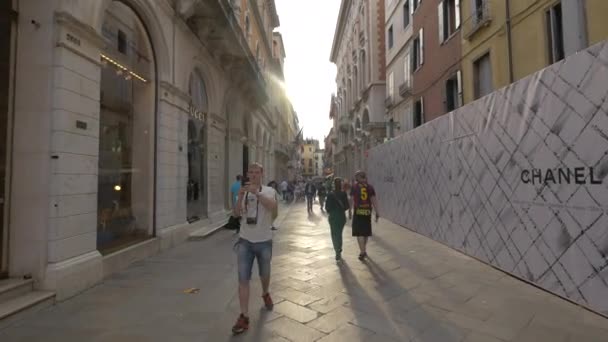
<point>516,179</point>
<point>54,205</point>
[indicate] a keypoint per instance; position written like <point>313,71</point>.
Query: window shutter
<point>406,68</point>
<point>422,120</point>
<point>440,20</point>
<point>459,85</point>
<point>421,46</point>
<point>412,5</point>
<point>457,13</point>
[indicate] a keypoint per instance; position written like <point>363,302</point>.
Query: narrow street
<point>411,289</point>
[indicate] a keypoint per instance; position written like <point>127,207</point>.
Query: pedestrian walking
<point>256,204</point>
<point>335,205</point>
<point>284,187</point>
<point>363,201</point>
<point>322,193</point>
<point>275,186</point>
<point>234,190</point>
<point>310,191</point>
<point>234,222</point>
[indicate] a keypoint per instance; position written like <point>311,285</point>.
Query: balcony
<point>405,89</point>
<point>216,24</point>
<point>388,102</point>
<point>282,150</point>
<point>481,17</point>
<point>344,123</point>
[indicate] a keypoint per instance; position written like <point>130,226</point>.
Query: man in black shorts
<point>363,200</point>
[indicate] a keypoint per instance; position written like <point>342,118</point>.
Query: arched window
<point>196,188</point>
<point>125,188</point>
<point>349,95</point>
<point>198,92</point>
<point>355,85</point>
<point>363,71</point>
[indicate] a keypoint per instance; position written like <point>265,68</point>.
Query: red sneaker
<point>241,325</point>
<point>268,301</point>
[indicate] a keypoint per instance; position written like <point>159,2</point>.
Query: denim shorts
<point>246,251</point>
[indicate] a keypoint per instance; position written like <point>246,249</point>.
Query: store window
<point>8,30</point>
<point>126,132</point>
<point>196,187</point>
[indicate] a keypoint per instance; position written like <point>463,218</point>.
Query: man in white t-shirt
<point>283,188</point>
<point>255,206</point>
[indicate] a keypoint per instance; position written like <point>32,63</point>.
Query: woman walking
<point>335,205</point>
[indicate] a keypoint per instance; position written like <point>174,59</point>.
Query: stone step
<point>13,288</point>
<point>207,230</point>
<point>20,307</point>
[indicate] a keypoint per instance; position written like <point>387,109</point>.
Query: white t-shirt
<point>251,208</point>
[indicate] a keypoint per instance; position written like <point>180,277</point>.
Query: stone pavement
<point>411,289</point>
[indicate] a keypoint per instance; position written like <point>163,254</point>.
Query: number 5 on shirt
<point>363,194</point>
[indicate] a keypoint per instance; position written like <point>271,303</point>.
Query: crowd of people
<point>255,210</point>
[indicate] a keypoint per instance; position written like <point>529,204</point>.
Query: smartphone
<point>244,181</point>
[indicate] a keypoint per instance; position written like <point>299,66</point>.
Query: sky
<point>308,28</point>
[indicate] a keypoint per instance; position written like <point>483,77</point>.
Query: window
<point>478,10</point>
<point>391,128</point>
<point>482,69</point>
<point>419,112</point>
<point>390,37</point>
<point>406,14</point>
<point>555,33</point>
<point>125,186</point>
<point>391,85</point>
<point>453,92</point>
<point>418,50</point>
<point>448,12</point>
<point>363,77</point>
<point>415,4</point>
<point>407,69</point>
<point>122,42</point>
<point>196,190</point>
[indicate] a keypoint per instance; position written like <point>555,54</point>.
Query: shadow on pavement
<point>435,325</point>
<point>313,217</point>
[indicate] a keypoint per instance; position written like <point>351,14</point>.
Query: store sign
<point>577,175</point>
<point>196,114</point>
<point>512,181</point>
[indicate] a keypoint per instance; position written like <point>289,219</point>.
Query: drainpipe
<point>509,40</point>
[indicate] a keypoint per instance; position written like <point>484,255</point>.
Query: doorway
<point>7,45</point>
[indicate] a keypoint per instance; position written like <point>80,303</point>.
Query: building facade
<point>504,42</point>
<point>145,112</point>
<point>328,153</point>
<point>309,154</point>
<point>286,119</point>
<point>319,164</point>
<point>399,33</point>
<point>358,51</point>
<point>435,59</point>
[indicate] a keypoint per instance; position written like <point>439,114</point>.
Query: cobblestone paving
<point>411,289</point>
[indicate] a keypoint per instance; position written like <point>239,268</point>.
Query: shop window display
<point>126,136</point>
<point>196,187</point>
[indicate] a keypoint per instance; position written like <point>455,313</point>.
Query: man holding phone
<point>255,205</point>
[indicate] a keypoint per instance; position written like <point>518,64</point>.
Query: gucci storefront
<point>125,198</point>
<point>196,190</point>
